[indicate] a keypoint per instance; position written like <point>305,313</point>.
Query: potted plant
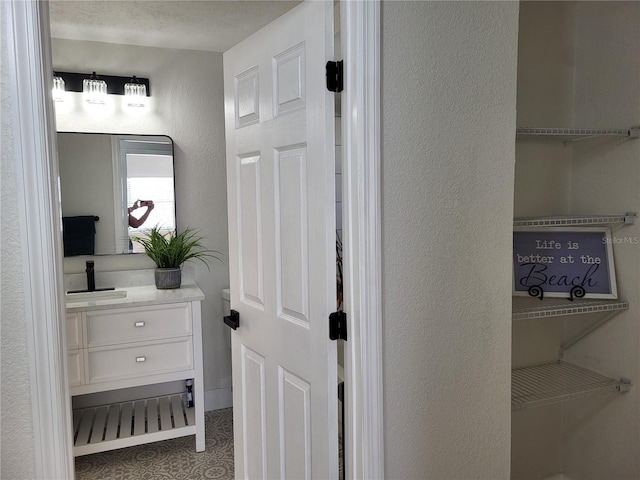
<point>169,251</point>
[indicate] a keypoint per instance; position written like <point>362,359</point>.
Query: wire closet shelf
<point>577,220</point>
<point>558,382</point>
<point>573,134</point>
<point>524,308</point>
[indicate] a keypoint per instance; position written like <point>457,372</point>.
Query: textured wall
<point>449,114</point>
<point>187,104</point>
<point>603,434</point>
<point>17,459</point>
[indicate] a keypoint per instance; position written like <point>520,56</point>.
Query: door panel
<point>291,226</point>
<point>295,426</point>
<point>289,82</point>
<point>253,412</point>
<point>247,97</point>
<point>250,221</point>
<point>281,192</point>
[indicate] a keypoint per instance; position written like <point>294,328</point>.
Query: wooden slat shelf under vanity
<point>131,423</point>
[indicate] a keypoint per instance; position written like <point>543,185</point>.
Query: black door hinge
<point>335,78</point>
<point>338,326</point>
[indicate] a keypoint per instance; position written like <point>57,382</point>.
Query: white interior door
<point>281,193</point>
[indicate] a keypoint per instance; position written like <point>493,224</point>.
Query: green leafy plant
<point>171,250</point>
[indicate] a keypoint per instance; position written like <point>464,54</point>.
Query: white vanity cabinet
<point>149,337</point>
<point>75,360</point>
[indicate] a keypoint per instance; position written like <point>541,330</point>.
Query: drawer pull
<point>139,324</point>
<point>141,359</point>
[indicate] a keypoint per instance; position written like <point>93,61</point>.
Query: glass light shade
<point>94,90</point>
<point>58,89</point>
<point>135,93</point>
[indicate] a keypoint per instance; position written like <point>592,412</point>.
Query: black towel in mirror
<point>79,235</point>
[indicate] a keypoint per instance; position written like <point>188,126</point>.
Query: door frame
<point>35,148</point>
<point>362,238</point>
<point>30,83</point>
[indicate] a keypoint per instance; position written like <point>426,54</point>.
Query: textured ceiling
<point>193,25</point>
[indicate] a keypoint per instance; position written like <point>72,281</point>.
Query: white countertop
<point>139,296</point>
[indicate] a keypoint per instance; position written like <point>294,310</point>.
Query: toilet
<point>226,310</point>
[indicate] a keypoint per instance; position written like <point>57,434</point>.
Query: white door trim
<point>41,229</point>
<point>362,222</point>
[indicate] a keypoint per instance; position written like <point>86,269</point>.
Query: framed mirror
<point>114,187</point>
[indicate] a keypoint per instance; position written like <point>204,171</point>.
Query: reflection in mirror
<point>114,187</point>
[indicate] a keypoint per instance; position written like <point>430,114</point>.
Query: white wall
<point>449,115</point>
<point>602,435</point>
<point>17,455</point>
<point>186,104</point>
<point>545,85</point>
<point>546,69</point>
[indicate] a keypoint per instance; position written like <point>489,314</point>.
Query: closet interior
<point>576,364</point>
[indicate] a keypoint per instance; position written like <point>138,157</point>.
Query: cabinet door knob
<point>139,324</point>
<point>141,359</point>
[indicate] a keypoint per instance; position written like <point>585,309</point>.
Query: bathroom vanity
<point>127,338</point>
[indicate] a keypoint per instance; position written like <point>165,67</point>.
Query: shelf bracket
<point>624,385</point>
<point>586,332</point>
<point>630,218</point>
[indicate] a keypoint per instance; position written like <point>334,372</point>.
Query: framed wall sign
<point>564,262</point>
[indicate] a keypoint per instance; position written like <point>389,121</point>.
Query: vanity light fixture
<point>135,93</point>
<point>58,90</point>
<point>94,90</point>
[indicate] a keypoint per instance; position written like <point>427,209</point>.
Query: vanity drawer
<point>140,359</point>
<point>75,368</point>
<point>74,330</point>
<point>126,325</point>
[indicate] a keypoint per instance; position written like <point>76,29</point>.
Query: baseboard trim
<point>217,399</point>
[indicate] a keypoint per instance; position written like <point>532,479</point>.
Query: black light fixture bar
<point>115,84</point>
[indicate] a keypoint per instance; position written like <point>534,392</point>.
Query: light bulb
<point>135,93</point>
<point>94,90</point>
<point>58,90</point>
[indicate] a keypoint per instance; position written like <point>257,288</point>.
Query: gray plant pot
<point>168,278</point>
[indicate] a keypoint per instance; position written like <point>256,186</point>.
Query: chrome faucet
<point>91,277</point>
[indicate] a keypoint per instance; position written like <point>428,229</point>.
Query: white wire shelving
<point>528,308</point>
<point>525,308</point>
<point>577,220</point>
<point>558,382</point>
<point>573,134</point>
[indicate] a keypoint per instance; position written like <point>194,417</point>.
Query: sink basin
<point>95,296</point>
